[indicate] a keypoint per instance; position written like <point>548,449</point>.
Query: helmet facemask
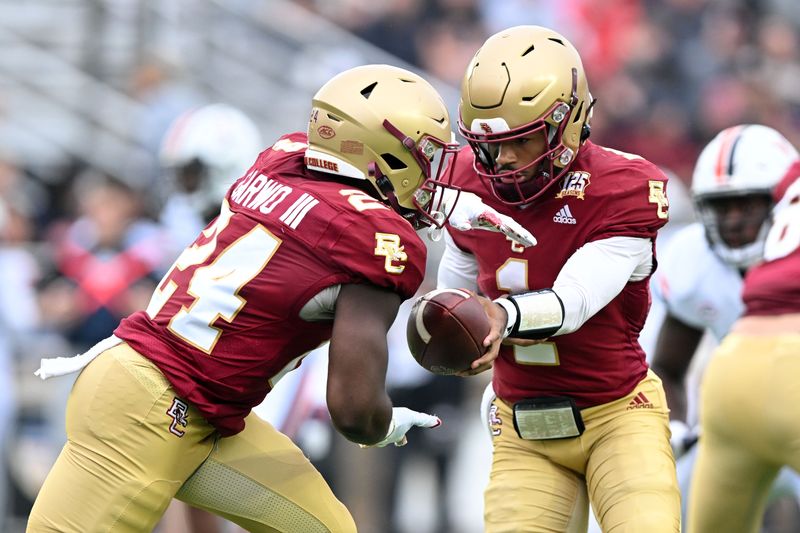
<point>206,149</point>
<point>506,185</point>
<point>193,180</point>
<point>732,185</point>
<point>755,219</point>
<point>525,80</point>
<point>436,160</point>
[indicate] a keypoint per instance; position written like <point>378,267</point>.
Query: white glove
<point>471,213</point>
<point>683,437</point>
<point>404,419</point>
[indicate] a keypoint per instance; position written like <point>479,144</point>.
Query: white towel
<point>60,366</point>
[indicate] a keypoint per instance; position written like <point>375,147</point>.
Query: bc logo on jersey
<point>388,245</point>
<point>575,184</point>
<point>494,421</point>
<point>178,411</point>
<point>658,196</point>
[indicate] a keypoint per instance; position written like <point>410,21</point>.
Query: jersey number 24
<point>215,286</point>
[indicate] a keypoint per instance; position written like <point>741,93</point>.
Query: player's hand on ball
<point>497,322</point>
<point>404,419</point>
<point>446,330</point>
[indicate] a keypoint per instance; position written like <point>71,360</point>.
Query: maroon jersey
<point>773,287</point>
<point>225,323</point>
<point>606,194</point>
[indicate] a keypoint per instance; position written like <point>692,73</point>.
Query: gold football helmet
<point>390,127</point>
<point>524,80</point>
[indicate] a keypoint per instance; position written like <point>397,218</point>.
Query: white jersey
<point>695,285</point>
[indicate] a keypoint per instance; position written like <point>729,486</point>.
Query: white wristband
<point>541,314</point>
<point>511,311</point>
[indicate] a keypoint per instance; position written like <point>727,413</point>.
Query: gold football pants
<point>623,460</point>
<point>750,415</point>
<point>133,445</point>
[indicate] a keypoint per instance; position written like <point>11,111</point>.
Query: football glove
<point>469,212</point>
<point>683,437</point>
<point>404,419</point>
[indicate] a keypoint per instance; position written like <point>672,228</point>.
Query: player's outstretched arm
<point>358,356</point>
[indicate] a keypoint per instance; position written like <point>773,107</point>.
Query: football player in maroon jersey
<point>577,410</point>
<point>750,401</point>
<point>315,242</point>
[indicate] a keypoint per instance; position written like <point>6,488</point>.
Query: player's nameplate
<point>547,418</point>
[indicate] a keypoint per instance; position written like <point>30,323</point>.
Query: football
<point>446,329</point>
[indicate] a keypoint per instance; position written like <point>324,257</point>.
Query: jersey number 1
<point>512,276</point>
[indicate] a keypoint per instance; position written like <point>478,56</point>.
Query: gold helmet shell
<point>386,125</point>
<point>523,80</point>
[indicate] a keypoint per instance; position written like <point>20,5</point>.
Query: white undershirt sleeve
<point>457,269</point>
<point>596,273</point>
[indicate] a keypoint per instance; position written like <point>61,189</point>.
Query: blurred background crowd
<point>88,89</point>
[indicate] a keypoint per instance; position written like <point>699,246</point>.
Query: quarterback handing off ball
<point>446,329</point>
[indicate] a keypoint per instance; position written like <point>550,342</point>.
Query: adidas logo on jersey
<point>640,401</point>
<point>564,216</point>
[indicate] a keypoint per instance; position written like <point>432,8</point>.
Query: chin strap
<point>407,142</point>
<point>384,186</point>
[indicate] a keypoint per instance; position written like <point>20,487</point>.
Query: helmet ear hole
<point>393,162</point>
<point>586,130</point>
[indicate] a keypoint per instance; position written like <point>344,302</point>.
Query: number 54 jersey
<point>255,292</point>
<point>605,194</point>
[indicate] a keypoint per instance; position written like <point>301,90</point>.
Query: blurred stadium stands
<point>93,80</point>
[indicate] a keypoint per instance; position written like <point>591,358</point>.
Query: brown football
<point>446,329</point>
